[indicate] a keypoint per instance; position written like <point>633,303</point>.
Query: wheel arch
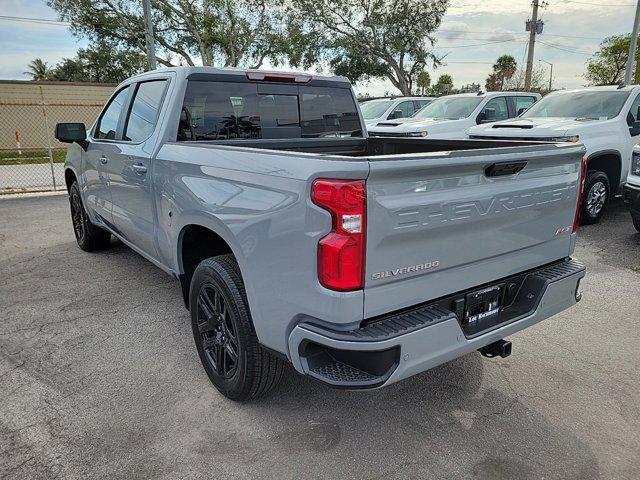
<point>608,162</point>
<point>69,177</point>
<point>196,242</point>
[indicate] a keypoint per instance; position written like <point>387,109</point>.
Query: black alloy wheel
<point>218,331</point>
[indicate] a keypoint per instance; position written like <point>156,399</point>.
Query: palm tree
<point>423,81</point>
<point>505,67</point>
<point>38,69</point>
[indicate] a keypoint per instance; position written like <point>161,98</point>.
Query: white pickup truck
<point>379,110</point>
<point>604,119</point>
<point>451,116</point>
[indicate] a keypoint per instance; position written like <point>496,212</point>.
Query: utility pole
<point>151,49</point>
<point>532,43</point>
<point>632,47</point>
<point>550,71</point>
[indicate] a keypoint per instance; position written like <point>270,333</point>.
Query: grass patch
<point>31,157</point>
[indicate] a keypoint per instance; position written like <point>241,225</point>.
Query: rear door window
<point>523,102</point>
<point>143,115</point>
<point>227,110</point>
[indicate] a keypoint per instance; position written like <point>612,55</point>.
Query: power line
<point>565,49</point>
<point>516,33</point>
<point>477,44</point>
<point>46,21</point>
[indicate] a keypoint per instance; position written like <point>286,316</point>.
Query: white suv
<point>604,119</point>
<point>451,116</point>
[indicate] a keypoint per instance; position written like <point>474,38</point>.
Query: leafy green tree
<point>38,69</point>
<point>106,64</point>
<point>217,32</point>
<point>503,70</point>
<point>69,70</point>
<point>365,39</point>
<point>101,63</point>
<point>423,81</point>
<point>607,65</point>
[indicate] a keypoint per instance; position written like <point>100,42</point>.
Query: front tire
<point>224,335</point>
<point>89,237</point>
<point>595,197</point>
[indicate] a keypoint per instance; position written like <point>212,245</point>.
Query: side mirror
<point>395,114</point>
<point>634,129</point>
<point>489,114</point>
<point>521,111</point>
<point>71,133</point>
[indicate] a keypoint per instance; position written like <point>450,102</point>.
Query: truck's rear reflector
<point>341,253</point>
<point>278,77</point>
<point>583,174</point>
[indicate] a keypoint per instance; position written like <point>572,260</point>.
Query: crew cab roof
<point>238,74</point>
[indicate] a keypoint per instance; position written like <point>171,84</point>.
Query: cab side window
<point>406,108</point>
<point>632,116</point>
<point>107,125</point>
<point>143,115</point>
<point>499,104</point>
<point>523,102</point>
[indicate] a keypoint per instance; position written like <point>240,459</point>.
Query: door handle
<point>103,160</point>
<point>139,169</point>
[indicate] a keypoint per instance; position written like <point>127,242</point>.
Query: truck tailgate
<point>443,223</point>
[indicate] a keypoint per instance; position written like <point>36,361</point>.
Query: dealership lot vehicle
<point>632,188</point>
<point>604,119</point>
<point>260,193</point>
<point>451,116</point>
<point>381,109</point>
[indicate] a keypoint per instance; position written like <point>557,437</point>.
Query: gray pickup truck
<point>296,238</point>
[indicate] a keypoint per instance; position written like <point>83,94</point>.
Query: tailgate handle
<point>504,168</point>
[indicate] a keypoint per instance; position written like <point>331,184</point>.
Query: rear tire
<point>224,334</point>
<point>595,197</point>
<point>89,237</point>
<point>636,221</point>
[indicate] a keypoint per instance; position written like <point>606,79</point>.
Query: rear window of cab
<point>229,110</point>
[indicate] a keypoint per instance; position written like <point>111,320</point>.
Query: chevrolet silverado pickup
<point>296,238</point>
<point>604,119</point>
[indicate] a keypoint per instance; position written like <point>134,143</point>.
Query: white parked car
<point>451,116</point>
<point>604,119</point>
<point>382,109</point>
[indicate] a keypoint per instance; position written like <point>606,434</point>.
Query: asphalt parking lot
<point>99,379</point>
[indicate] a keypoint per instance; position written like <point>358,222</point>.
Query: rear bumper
<point>631,196</point>
<point>403,344</point>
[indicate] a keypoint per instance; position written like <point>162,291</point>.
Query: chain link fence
<point>31,159</point>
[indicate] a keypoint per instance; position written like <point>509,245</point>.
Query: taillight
<point>583,173</point>
<point>341,253</point>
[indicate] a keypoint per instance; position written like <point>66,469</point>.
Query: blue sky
<point>475,31</point>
